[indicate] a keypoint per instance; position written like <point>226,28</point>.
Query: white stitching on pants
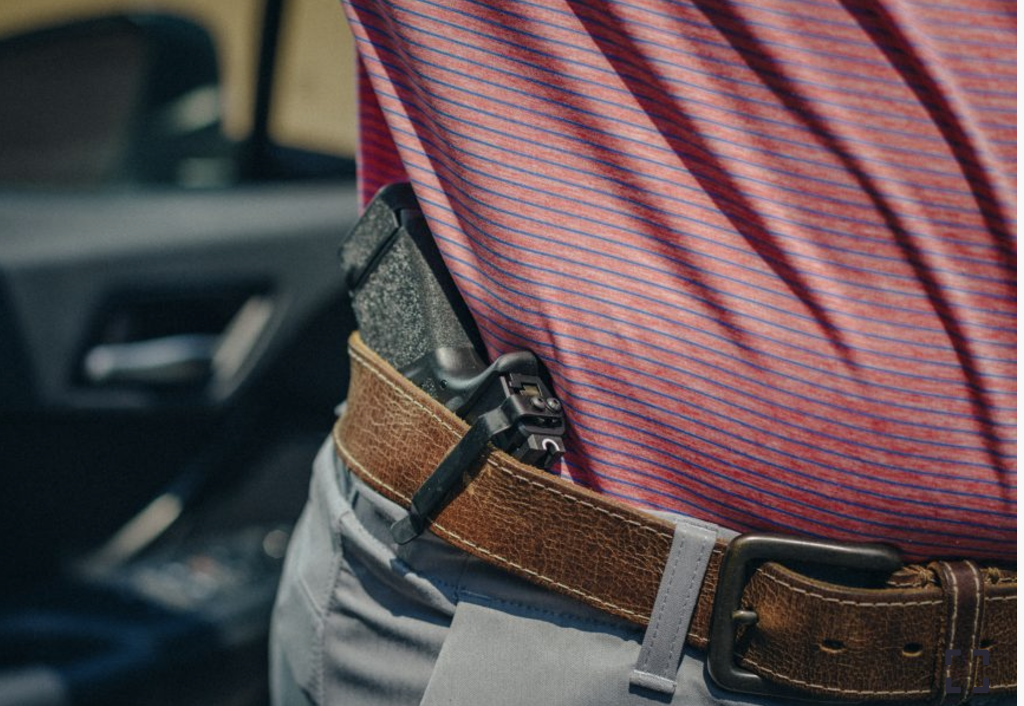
<point>697,573</point>
<point>661,612</point>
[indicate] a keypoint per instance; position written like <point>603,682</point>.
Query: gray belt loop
<point>659,660</point>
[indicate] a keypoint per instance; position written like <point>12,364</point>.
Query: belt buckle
<point>741,559</point>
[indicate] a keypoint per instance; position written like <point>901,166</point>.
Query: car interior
<point>175,178</point>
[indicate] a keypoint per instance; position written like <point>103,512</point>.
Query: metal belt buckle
<point>744,555</point>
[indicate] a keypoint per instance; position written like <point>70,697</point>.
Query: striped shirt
<point>766,247</point>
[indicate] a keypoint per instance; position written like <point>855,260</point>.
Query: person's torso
<point>767,249</point>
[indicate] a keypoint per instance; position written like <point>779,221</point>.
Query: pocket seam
<point>337,558</point>
<point>480,598</point>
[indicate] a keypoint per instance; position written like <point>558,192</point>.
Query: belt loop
<point>963,588</point>
<point>658,664</point>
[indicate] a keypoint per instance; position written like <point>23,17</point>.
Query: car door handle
<point>172,360</point>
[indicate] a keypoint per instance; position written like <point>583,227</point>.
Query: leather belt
<point>807,637</point>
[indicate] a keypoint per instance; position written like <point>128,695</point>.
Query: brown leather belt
<point>809,638</point>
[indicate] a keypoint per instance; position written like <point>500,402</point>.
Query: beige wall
<point>315,99</point>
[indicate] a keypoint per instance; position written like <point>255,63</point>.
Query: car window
<point>314,104</point>
<point>93,102</point>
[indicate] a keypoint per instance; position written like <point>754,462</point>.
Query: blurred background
<point>175,177</point>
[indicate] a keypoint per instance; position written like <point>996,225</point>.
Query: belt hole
<point>913,649</point>
<point>987,644</point>
<point>832,646</point>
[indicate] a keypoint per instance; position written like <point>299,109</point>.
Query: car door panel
<point>252,267</point>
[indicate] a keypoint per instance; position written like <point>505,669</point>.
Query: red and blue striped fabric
<point>766,247</point>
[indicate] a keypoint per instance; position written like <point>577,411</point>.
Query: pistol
<point>410,312</point>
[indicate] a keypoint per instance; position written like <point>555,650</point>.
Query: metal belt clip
<point>744,555</point>
<point>511,406</point>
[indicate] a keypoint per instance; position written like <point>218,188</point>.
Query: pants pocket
<point>313,561</point>
<point>525,648</point>
<point>389,607</point>
<point>507,653</point>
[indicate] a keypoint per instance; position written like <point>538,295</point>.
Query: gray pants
<point>360,621</point>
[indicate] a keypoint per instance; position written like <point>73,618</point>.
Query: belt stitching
<point>404,395</point>
<point>862,604</point>
<point>369,366</point>
<point>349,458</point>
